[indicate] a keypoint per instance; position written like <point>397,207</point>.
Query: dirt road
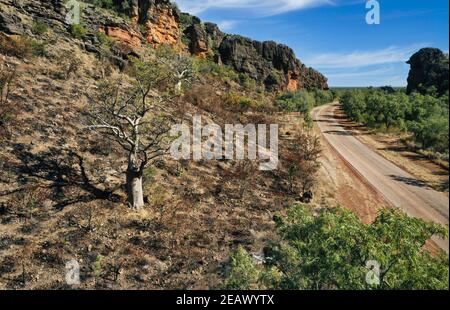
<point>398,187</point>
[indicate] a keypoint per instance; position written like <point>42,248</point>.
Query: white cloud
<point>260,7</point>
<point>358,59</point>
<point>361,74</point>
<point>226,25</point>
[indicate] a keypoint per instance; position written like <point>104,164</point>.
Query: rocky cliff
<point>273,64</point>
<point>156,22</point>
<point>429,68</point>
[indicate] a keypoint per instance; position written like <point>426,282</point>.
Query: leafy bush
<point>237,103</point>
<point>205,66</point>
<point>275,79</point>
<point>103,38</point>
<point>40,28</point>
<point>424,116</point>
<point>301,101</point>
<point>244,273</point>
<point>38,48</point>
<point>78,31</point>
<point>322,96</point>
<point>331,250</point>
<point>247,82</point>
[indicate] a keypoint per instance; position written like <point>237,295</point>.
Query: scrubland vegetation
<point>330,250</point>
<point>424,116</point>
<point>63,193</point>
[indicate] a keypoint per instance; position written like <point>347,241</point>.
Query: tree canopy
<point>333,250</point>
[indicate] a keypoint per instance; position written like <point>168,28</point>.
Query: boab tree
<point>134,114</point>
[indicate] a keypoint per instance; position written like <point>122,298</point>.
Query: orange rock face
<point>201,49</point>
<point>129,37</point>
<point>165,30</point>
<point>292,82</point>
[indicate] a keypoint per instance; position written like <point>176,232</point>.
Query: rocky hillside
<point>156,22</point>
<point>273,64</point>
<point>429,68</point>
<point>62,193</point>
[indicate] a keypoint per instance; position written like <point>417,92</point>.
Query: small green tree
<point>244,273</point>
<point>331,251</point>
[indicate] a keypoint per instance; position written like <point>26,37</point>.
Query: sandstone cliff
<point>273,64</point>
<point>156,22</point>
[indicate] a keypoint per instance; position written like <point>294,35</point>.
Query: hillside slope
<point>61,189</point>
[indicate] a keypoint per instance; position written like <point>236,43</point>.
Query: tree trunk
<point>179,87</point>
<point>134,189</point>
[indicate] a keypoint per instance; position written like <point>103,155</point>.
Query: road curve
<point>398,187</point>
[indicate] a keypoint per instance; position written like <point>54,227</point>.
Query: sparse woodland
<point>84,175</point>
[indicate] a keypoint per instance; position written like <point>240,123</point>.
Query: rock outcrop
<point>273,64</point>
<point>270,63</point>
<point>158,22</point>
<point>161,21</point>
<point>429,68</point>
<point>127,36</point>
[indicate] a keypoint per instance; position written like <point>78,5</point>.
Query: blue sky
<point>333,36</point>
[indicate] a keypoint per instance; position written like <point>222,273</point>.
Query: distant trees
<point>428,121</point>
<point>424,116</point>
<point>133,113</point>
<point>386,108</point>
<point>303,100</point>
<point>334,250</point>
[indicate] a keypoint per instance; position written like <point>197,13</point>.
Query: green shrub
<point>301,101</point>
<point>331,250</point>
<point>424,116</point>
<point>275,78</point>
<point>237,103</point>
<point>206,66</point>
<point>38,48</point>
<point>247,82</point>
<point>102,37</point>
<point>40,28</point>
<point>323,96</point>
<point>244,274</point>
<point>78,31</point>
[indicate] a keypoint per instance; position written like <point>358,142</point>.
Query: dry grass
<point>62,195</point>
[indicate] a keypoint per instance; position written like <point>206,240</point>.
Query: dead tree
<point>134,115</point>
